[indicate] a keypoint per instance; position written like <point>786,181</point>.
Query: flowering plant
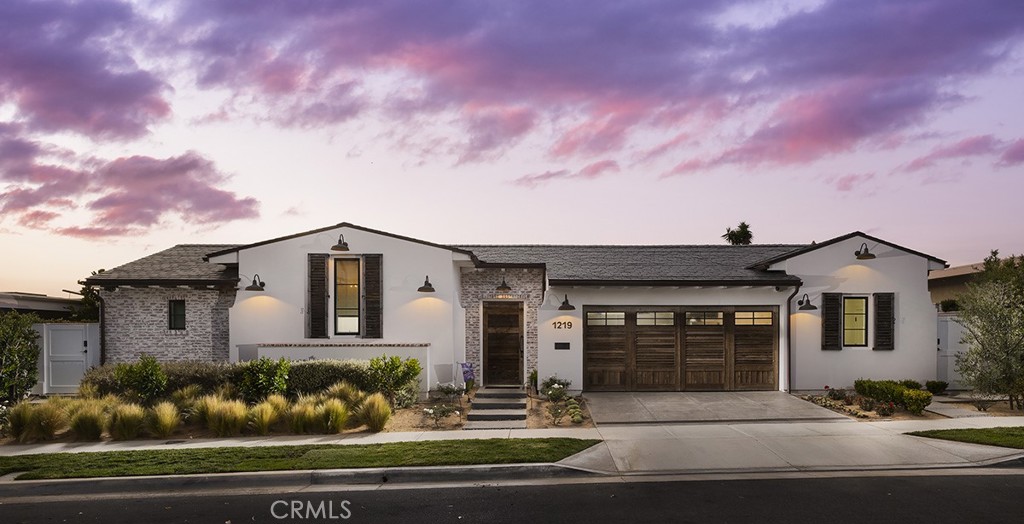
<point>441,412</point>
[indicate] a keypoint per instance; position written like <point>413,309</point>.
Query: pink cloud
<point>968,147</point>
<point>590,172</point>
<point>1014,154</point>
<point>850,182</point>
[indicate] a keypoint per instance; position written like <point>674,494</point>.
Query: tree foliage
<point>88,310</point>
<point>741,236</point>
<point>19,355</point>
<point>992,314</point>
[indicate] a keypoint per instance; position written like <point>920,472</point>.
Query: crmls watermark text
<point>310,510</point>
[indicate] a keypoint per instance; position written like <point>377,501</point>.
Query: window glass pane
<point>855,305</point>
<point>855,321</point>
<point>713,318</point>
<point>694,318</point>
<point>854,338</point>
<point>596,319</point>
<point>645,319</point>
<point>665,318</point>
<point>616,318</point>
<point>347,297</point>
<point>176,314</point>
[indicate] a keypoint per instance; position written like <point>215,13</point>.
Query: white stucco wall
<point>568,364</point>
<point>834,269</point>
<point>277,315</point>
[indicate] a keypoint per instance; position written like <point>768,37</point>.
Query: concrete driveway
<point>717,407</point>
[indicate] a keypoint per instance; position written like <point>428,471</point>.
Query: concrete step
<point>499,403</point>
<point>497,414</point>
<point>494,424</point>
<point>500,393</point>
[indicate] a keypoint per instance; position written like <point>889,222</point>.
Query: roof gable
<point>766,263</point>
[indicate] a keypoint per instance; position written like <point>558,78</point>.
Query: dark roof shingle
<point>180,264</point>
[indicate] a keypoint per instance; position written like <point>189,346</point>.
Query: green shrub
<point>144,378</point>
<point>391,375</point>
<point>885,409</point>
<point>881,390</point>
<point>347,393</point>
<point>262,417</point>
<point>89,422</point>
<point>208,376</point>
<point>228,418</point>
<point>552,380</point>
<point>262,377</point>
<point>916,400</point>
<point>88,391</point>
<point>910,384</point>
<point>302,418</point>
<point>407,395</point>
<point>949,304</point>
<point>333,416</point>
<point>20,420</point>
<point>314,376</point>
<point>126,421</point>
<point>100,379</point>
<point>375,412</point>
<point>19,355</point>
<point>936,387</point>
<point>48,418</point>
<point>866,403</point>
<point>837,394</point>
<point>279,402</point>
<point>164,419</point>
<point>226,391</point>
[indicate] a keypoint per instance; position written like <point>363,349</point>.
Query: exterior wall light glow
<point>805,304</point>
<point>863,253</point>
<point>566,306</point>
<point>341,245</point>
<point>257,284</point>
<point>504,287</point>
<point>426,287</point>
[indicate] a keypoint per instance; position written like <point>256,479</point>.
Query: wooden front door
<point>503,343</point>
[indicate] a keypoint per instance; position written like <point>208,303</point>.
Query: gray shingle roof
<point>180,264</point>
<point>681,263</point>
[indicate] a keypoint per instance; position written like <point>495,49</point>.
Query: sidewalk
<point>680,448</point>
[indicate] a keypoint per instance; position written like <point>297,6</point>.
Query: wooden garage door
<point>680,348</point>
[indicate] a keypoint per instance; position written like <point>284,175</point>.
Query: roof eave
<point>676,283</point>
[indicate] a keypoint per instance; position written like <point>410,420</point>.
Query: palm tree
<point>741,236</point>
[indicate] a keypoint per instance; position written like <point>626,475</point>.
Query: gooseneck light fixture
<point>503,287</point>
<point>426,287</point>
<point>341,245</point>
<point>805,304</point>
<point>863,253</point>
<point>257,284</point>
<point>566,306</point>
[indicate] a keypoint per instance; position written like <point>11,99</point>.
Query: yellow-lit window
<point>855,321</point>
<point>655,318</point>
<point>753,318</point>
<point>704,318</point>
<point>346,296</point>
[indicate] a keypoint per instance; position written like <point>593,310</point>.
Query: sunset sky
<point>128,127</point>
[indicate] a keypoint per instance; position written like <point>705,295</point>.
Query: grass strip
<point>277,458</point>
<point>1009,437</point>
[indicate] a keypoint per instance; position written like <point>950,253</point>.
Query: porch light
<point>805,304</point>
<point>426,287</point>
<point>504,287</point>
<point>341,245</point>
<point>566,306</point>
<point>863,253</point>
<point>257,284</point>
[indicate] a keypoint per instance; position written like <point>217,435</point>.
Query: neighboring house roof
<point>955,272</point>
<point>639,265</point>
<point>764,264</point>
<point>20,301</point>
<point>180,265</point>
<point>231,249</point>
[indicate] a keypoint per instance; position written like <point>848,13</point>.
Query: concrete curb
<point>270,479</point>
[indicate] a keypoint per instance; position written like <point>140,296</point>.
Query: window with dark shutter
<point>831,321</point>
<point>885,321</point>
<point>317,299</point>
<point>373,301</point>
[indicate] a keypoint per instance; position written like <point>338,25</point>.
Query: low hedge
<point>207,375</point>
<point>306,377</point>
<point>900,393</point>
<point>916,400</point>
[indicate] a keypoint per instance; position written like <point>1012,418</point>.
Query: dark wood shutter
<point>316,302</point>
<point>885,321</point>
<point>831,321</point>
<point>373,296</point>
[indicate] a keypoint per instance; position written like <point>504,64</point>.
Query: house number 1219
<point>561,325</point>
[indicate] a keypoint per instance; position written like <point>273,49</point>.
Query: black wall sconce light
<point>863,253</point>
<point>341,245</point>
<point>426,287</point>
<point>503,287</point>
<point>805,304</point>
<point>257,284</point>
<point>566,306</point>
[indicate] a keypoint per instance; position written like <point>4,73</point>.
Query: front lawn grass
<point>275,458</point>
<point>1011,437</point>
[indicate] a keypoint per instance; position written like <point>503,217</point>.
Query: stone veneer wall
<point>136,324</point>
<point>477,286</point>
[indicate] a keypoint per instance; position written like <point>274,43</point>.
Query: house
<point>947,284</point>
<point>45,307</point>
<point>606,317</point>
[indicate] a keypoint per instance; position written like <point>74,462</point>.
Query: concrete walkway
<point>699,407</point>
<point>680,448</point>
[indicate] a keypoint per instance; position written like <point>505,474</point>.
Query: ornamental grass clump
<point>164,419</point>
<point>200,412</point>
<point>126,421</point>
<point>48,418</point>
<point>280,404</point>
<point>262,417</point>
<point>20,420</point>
<point>333,416</point>
<point>375,412</point>
<point>228,418</point>
<point>89,422</point>
<point>185,397</point>
<point>302,418</point>
<point>346,392</point>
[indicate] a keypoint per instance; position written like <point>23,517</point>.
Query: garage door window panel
<point>606,318</point>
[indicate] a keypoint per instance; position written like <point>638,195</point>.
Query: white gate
<point>950,332</point>
<point>68,350</point>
